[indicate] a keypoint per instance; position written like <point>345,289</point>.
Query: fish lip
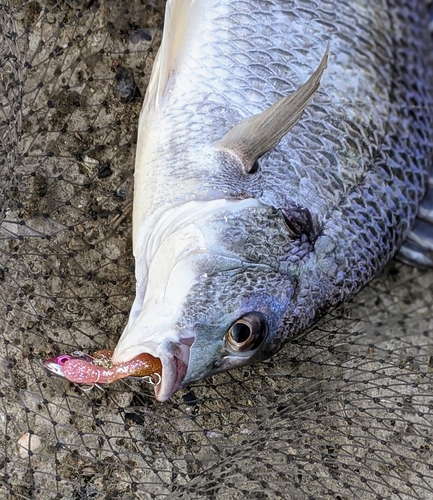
<point>173,373</point>
<point>174,356</point>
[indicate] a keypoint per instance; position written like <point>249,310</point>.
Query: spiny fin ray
<point>253,137</point>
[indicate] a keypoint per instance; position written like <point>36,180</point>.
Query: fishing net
<point>344,412</point>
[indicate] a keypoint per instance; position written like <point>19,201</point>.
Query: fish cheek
<point>231,360</point>
<point>206,353</point>
<point>232,311</point>
<point>218,348</point>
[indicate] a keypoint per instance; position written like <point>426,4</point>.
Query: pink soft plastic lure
<point>81,368</point>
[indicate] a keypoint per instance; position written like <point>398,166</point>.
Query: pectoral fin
<point>181,16</point>
<point>417,250</point>
<point>253,137</point>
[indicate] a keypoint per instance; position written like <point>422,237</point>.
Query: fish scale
<point>214,244</point>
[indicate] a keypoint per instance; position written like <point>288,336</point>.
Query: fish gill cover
<point>344,412</point>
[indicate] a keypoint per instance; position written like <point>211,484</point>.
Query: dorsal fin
<point>178,20</point>
<point>253,137</point>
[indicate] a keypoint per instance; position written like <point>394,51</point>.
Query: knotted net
<point>344,412</point>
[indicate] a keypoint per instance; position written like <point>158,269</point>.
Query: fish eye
<point>247,333</point>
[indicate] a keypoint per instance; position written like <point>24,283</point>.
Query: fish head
<point>218,266</point>
<point>213,291</point>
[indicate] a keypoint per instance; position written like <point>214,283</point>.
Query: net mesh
<point>344,412</point>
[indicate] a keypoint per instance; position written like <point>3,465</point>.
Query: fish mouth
<point>174,356</point>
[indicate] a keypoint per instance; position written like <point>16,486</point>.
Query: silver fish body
<point>235,256</point>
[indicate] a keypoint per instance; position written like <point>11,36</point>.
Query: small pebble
<point>141,39</point>
<point>126,87</point>
<point>28,442</point>
<point>89,162</point>
<point>214,435</point>
<point>141,34</point>
<point>104,171</point>
<point>190,398</point>
<point>78,244</point>
<point>122,192</point>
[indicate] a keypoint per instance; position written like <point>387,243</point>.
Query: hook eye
<point>150,379</point>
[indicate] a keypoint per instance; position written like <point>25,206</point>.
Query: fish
<point>283,153</point>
